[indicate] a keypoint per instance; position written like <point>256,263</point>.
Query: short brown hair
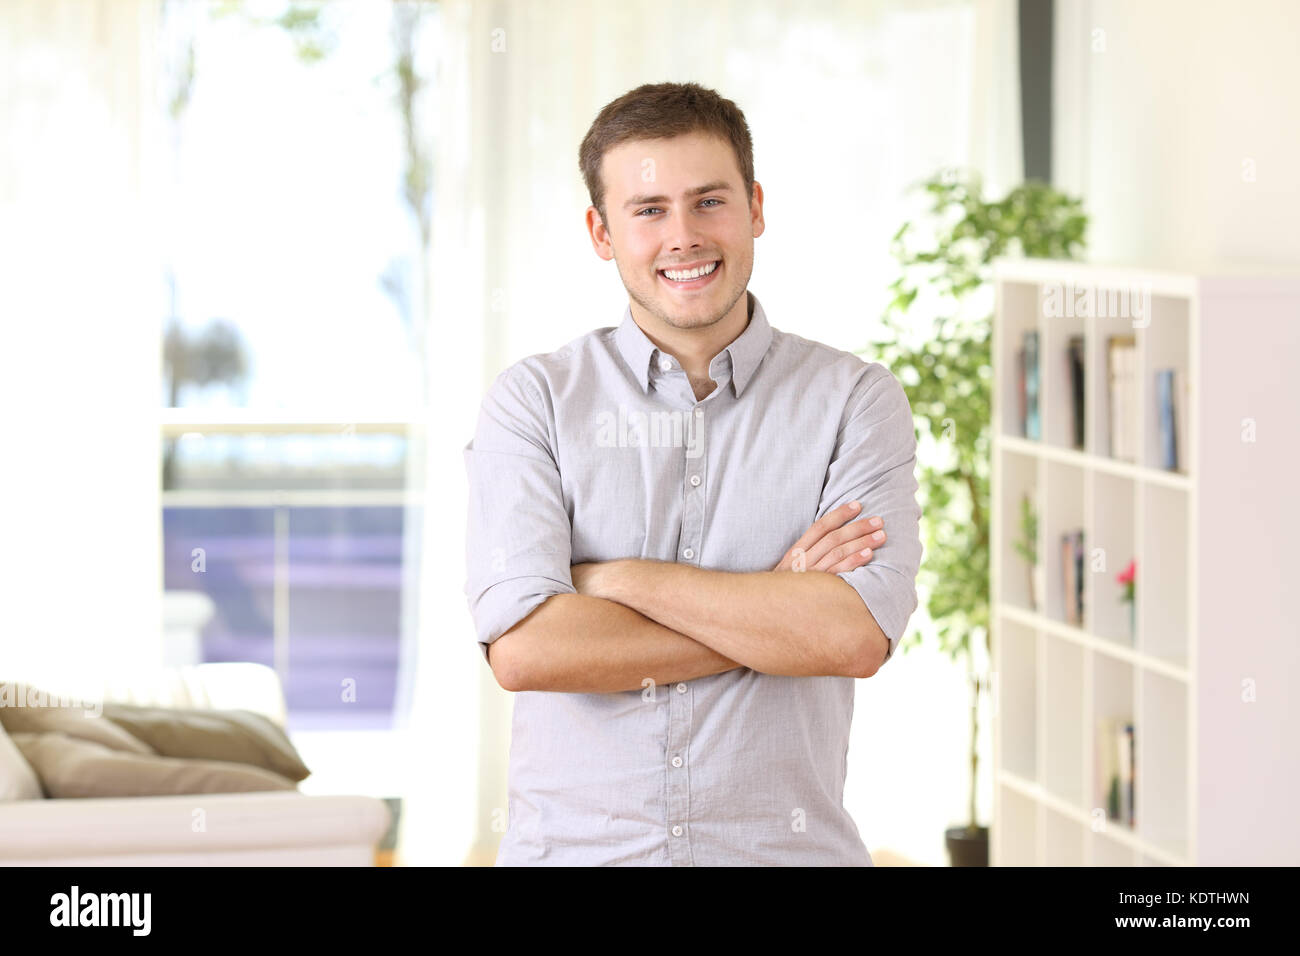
<point>662,111</point>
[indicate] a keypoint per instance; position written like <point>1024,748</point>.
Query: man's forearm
<point>589,645</point>
<point>776,622</point>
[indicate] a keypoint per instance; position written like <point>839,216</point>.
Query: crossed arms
<point>600,627</point>
<point>677,622</point>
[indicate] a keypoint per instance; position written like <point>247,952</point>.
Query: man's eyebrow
<point>716,187</point>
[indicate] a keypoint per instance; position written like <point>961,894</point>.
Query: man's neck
<point>695,350</point>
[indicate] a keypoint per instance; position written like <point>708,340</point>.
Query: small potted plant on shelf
<point>1027,548</point>
<point>1128,578</point>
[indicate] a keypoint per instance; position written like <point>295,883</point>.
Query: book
<point>1072,576</point>
<point>1182,414</point>
<point>1116,769</point>
<point>1078,576</point>
<point>1132,778</point>
<point>1121,356</point>
<point>1067,577</point>
<point>1076,361</point>
<point>1124,748</point>
<point>1020,390</point>
<point>1033,428</point>
<point>1165,416</point>
<point>1127,355</point>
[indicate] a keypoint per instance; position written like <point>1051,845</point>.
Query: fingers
<point>834,540</point>
<point>857,555</point>
<point>839,543</point>
<point>830,521</point>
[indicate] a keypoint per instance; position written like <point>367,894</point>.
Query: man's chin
<point>688,315</point>
<point>701,320</point>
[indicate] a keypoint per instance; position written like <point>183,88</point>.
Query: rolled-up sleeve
<point>875,463</point>
<point>518,539</point>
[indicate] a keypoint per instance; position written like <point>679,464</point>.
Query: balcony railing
<point>312,581</point>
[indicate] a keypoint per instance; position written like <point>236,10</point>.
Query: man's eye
<point>656,208</point>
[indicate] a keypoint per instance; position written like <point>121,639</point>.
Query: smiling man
<point>676,558</point>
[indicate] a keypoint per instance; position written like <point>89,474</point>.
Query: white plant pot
<point>1038,580</point>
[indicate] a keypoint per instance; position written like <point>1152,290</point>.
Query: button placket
<point>695,458</point>
<point>678,789</point>
<point>679,704</point>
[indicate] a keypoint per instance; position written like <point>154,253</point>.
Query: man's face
<point>679,205</point>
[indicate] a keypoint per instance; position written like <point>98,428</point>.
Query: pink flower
<point>1129,574</point>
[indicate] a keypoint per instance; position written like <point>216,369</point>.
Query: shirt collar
<point>746,352</point>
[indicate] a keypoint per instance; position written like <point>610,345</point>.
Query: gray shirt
<point>600,450</point>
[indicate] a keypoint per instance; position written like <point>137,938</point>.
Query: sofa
<point>265,828</point>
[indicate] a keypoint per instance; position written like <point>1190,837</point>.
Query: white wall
<point>1179,122</point>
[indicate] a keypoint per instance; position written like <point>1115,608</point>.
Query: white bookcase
<point>1211,676</point>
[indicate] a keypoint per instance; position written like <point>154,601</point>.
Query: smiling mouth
<point>686,279</point>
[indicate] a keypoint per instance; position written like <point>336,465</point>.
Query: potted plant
<point>1128,578</point>
<point>1027,547</point>
<point>936,339</point>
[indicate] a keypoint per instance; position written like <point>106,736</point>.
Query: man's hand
<point>835,542</point>
<point>832,544</point>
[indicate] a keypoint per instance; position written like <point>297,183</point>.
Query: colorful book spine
<point>1067,577</point>
<point>1124,743</point>
<point>1165,415</point>
<point>1116,768</point>
<point>1072,576</point>
<point>1033,425</point>
<point>1020,390</point>
<point>1076,361</point>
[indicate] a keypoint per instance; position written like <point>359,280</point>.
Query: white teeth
<point>691,273</point>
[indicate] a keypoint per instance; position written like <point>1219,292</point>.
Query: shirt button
<point>681,688</point>
<point>677,831</point>
<point>677,761</point>
<point>695,480</point>
<point>699,413</point>
<point>688,553</point>
<point>665,364</point>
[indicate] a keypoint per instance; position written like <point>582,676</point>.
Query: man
<point>675,558</point>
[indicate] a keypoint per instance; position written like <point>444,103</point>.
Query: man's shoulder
<point>547,371</point>
<point>574,356</point>
<point>855,369</point>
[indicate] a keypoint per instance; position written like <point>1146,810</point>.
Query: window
<point>295,247</point>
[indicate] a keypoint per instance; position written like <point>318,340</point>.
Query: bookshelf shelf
<point>1114,838</point>
<point>1153,476</point>
<point>1127,428</point>
<point>1099,645</point>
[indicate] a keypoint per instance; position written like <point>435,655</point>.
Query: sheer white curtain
<point>80,343</point>
<point>848,103</point>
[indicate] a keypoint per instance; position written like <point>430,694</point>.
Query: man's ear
<point>601,240</point>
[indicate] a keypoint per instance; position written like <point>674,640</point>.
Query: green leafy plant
<point>1027,544</point>
<point>937,341</point>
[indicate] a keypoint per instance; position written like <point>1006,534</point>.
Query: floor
<point>882,857</point>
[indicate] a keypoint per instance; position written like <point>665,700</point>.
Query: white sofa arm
<point>243,829</point>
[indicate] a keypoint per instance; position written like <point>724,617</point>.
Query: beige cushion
<point>74,767</point>
<point>237,736</point>
<point>17,779</point>
<point>19,716</point>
